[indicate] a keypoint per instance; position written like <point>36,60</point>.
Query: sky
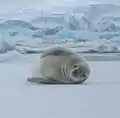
<point>9,5</point>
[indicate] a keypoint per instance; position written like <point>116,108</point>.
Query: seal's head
<point>79,73</point>
<point>77,70</point>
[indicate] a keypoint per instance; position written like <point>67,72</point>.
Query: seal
<point>60,66</point>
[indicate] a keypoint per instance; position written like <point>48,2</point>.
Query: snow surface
<point>98,97</point>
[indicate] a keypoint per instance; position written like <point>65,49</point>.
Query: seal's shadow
<point>86,83</point>
<point>53,82</point>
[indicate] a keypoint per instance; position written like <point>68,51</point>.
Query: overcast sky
<point>7,5</point>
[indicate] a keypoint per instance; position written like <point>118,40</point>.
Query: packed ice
<point>94,28</point>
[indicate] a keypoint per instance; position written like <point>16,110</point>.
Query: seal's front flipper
<point>40,80</point>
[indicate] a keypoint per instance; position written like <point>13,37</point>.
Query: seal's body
<point>60,66</point>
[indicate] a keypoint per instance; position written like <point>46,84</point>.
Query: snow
<point>96,98</point>
<point>37,46</point>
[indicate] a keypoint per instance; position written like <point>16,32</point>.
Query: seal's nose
<point>83,75</point>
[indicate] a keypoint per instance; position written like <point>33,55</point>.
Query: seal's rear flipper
<point>40,80</point>
<point>34,80</point>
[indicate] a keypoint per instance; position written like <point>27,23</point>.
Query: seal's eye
<point>75,66</point>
